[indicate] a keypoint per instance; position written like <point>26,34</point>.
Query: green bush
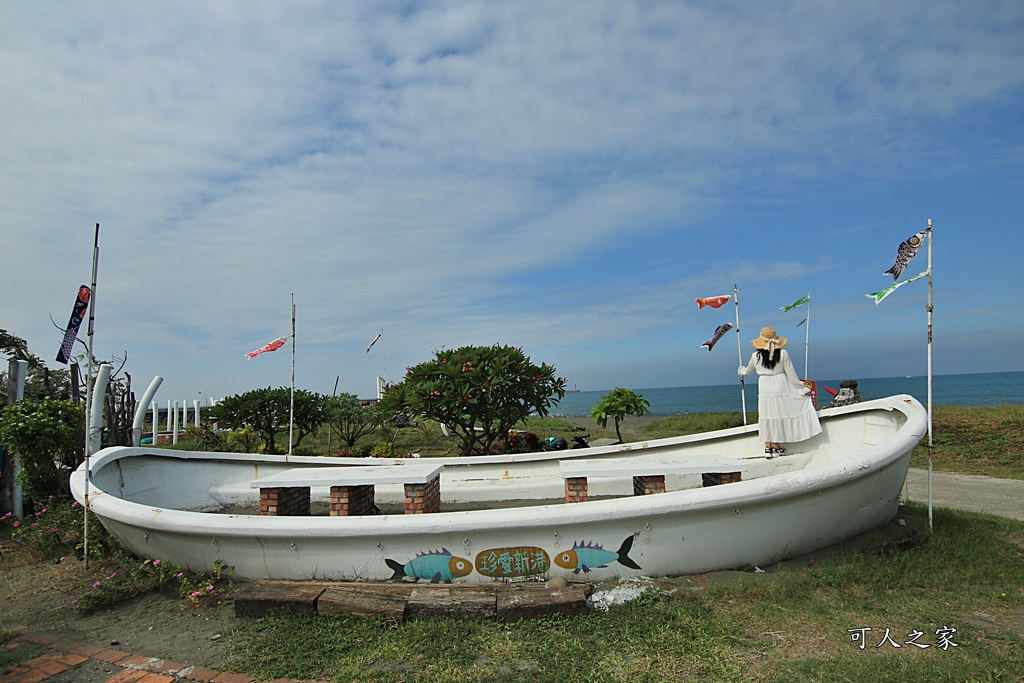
<point>48,441</point>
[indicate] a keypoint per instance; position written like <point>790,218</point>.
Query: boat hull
<point>153,502</point>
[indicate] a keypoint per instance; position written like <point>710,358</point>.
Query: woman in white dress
<point>785,411</point>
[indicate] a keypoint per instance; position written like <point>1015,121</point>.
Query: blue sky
<point>565,177</point>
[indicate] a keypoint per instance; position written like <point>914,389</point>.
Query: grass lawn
<point>785,626</point>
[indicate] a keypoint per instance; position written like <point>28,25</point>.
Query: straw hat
<point>769,340</point>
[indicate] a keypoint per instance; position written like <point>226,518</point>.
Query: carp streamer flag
<point>373,342</point>
<point>799,302</point>
<point>272,346</point>
<point>719,332</point>
<point>906,251</point>
<point>881,294</point>
<point>77,315</point>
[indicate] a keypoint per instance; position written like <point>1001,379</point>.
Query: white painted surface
<point>842,482</point>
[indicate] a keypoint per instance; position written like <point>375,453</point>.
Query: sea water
<point>981,389</point>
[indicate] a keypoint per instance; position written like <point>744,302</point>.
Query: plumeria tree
<point>479,392</point>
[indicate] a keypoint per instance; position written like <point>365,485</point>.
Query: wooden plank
<point>365,600</point>
<point>278,597</point>
<point>458,602</point>
<point>522,602</point>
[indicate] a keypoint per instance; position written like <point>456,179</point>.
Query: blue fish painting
<point>587,556</point>
<point>436,565</point>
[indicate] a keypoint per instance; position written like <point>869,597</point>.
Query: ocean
<point>980,389</point>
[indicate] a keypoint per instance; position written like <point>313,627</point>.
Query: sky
<point>563,177</point>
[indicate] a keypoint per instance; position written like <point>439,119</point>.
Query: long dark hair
<point>769,359</point>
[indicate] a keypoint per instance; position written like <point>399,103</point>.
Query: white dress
<point>785,411</point>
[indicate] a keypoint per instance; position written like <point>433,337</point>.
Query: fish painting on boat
<point>587,556</point>
<point>436,565</point>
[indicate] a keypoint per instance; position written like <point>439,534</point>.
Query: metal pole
<point>88,395</point>
<point>329,430</point>
<point>739,352</point>
<point>807,336</point>
<point>930,374</point>
<point>291,408</point>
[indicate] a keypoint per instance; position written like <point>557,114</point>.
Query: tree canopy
<point>267,412</point>
<point>479,392</point>
<point>616,405</point>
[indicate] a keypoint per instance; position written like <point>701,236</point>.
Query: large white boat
<point>506,517</point>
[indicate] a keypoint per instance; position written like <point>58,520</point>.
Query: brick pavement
<point>64,656</point>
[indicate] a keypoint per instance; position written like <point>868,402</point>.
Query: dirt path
<point>38,598</point>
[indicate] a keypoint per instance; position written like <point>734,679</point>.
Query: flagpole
<point>383,376</point>
<point>334,394</point>
<point>291,407</point>
<point>807,337</point>
<point>739,352</point>
<point>88,396</point>
<point>930,309</point>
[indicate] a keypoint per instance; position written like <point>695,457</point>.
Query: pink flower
<point>17,524</point>
<point>179,575</point>
<point>195,594</point>
<point>96,584</point>
<point>74,601</point>
<point>209,588</point>
<point>156,563</point>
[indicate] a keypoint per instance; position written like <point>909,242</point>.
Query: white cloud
<point>536,173</point>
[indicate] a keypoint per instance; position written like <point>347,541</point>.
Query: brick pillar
<point>652,483</point>
<point>421,498</point>
<point>716,478</point>
<point>576,490</point>
<point>286,501</point>
<point>351,500</point>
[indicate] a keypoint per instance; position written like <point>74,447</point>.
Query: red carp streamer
<point>272,346</point>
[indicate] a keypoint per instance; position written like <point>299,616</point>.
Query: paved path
<point>976,493</point>
<point>56,661</point>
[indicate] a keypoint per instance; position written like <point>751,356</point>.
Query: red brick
<point>84,650</point>
<point>198,673</point>
<point>137,662</point>
<point>165,666</point>
<point>110,656</point>
<point>49,664</point>
<point>20,674</point>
